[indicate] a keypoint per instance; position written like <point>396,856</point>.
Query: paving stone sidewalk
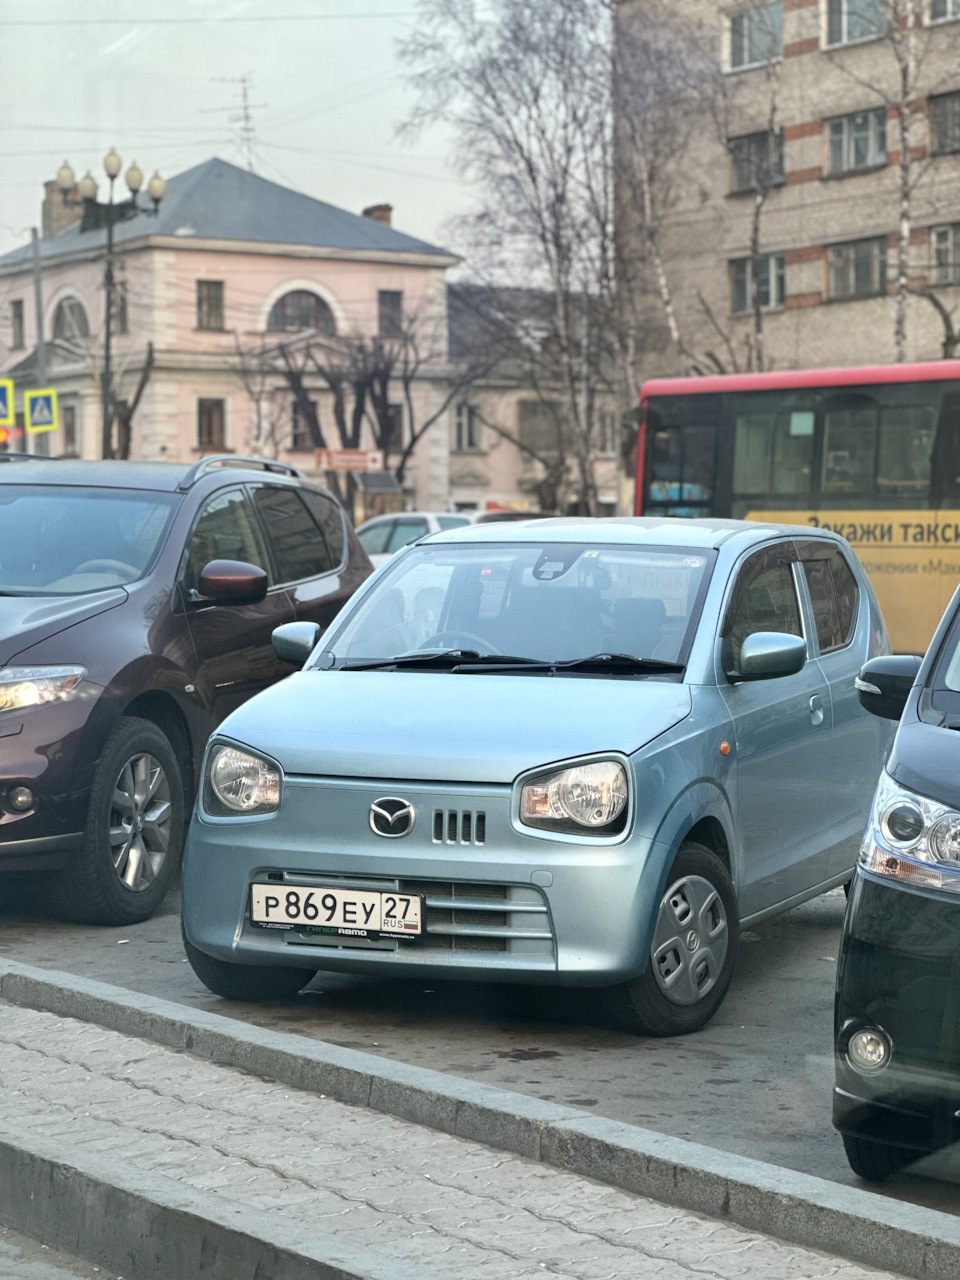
<point>446,1206</point>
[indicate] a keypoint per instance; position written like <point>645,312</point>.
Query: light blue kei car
<point>580,752</point>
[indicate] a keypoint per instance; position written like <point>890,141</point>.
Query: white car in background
<point>382,536</point>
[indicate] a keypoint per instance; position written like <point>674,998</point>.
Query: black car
<point>897,1027</point>
<point>137,602</point>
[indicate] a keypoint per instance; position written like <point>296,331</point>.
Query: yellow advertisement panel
<point>911,557</point>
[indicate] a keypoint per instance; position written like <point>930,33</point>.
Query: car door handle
<point>816,709</point>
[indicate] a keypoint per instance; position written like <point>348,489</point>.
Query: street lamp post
<point>95,216</point>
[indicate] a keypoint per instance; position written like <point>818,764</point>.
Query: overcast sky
<point>152,77</point>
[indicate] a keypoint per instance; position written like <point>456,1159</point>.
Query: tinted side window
<point>374,539</point>
<point>764,599</point>
<point>823,597</point>
<point>848,595</point>
<point>227,530</point>
<point>299,548</point>
<point>329,517</point>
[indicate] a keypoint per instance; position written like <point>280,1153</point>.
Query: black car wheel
<point>250,982</point>
<point>693,955</point>
<point>134,833</point>
<point>877,1161</point>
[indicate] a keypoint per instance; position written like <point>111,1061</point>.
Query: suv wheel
<point>134,832</point>
<point>693,955</point>
<point>251,982</point>
<point>877,1161</point>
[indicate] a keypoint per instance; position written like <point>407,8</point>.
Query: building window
<point>757,160</point>
<point>70,321</point>
<point>210,424</point>
<point>68,424</point>
<point>771,282</point>
<point>945,122</point>
<point>467,436</point>
<point>946,254</point>
<point>849,20</point>
<point>390,313</point>
<point>119,317</point>
<point>300,310</point>
<point>300,437</point>
<point>858,269</point>
<point>16,324</point>
<point>540,426</point>
<point>606,436</point>
<point>944,9</point>
<point>756,35</point>
<point>391,430</point>
<point>858,141</point>
<point>209,304</point>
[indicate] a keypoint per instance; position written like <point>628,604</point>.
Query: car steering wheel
<point>457,638</point>
<point>106,566</point>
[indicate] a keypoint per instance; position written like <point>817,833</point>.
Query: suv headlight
<point>237,782</point>
<point>587,798</point>
<point>912,839</point>
<point>22,687</point>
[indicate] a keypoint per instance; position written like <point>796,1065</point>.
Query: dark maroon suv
<point>137,602</point>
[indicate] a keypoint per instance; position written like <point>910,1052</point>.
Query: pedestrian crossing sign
<point>41,411</point>
<point>7,415</point>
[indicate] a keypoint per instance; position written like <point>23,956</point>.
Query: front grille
<point>459,826</point>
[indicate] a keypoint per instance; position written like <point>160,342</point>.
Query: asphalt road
<point>25,1259</point>
<point>756,1081</point>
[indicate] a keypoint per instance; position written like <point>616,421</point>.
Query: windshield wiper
<point>441,659</point>
<point>600,662</point>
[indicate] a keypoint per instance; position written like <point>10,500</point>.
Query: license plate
<point>348,912</point>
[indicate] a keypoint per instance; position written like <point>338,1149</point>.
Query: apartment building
<point>782,208</point>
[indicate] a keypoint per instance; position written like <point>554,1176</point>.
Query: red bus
<point>873,453</point>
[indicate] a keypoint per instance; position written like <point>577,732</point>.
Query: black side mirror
<point>293,642</point>
<point>884,684</point>
<point>232,582</point>
<point>768,654</point>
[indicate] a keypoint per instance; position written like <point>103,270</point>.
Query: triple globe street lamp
<point>98,215</point>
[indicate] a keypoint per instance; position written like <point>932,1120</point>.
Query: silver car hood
<point>439,726</point>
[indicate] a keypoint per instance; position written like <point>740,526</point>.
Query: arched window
<point>70,321</point>
<point>298,310</point>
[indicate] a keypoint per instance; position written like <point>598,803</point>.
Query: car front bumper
<point>899,971</point>
<point>541,909</point>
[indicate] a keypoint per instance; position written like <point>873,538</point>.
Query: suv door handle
<point>816,709</point>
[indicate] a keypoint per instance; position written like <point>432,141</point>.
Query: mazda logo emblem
<point>391,817</point>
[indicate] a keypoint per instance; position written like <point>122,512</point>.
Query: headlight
<point>22,687</point>
<point>587,796</point>
<point>238,782</point>
<point>912,839</point>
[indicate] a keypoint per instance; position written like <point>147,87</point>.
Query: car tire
<point>683,985</point>
<point>133,837</point>
<point>252,983</point>
<point>877,1161</point>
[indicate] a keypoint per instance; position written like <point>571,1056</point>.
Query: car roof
<point>672,531</point>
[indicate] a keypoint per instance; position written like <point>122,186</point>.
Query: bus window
<point>850,447</point>
<point>681,469</point>
<point>905,446</point>
<point>773,453</point>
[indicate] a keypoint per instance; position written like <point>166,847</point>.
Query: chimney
<point>380,213</point>
<point>57,214</point>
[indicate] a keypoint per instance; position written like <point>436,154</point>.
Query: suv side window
<point>299,549</point>
<point>329,517</point>
<point>764,599</point>
<point>833,592</point>
<point>227,530</point>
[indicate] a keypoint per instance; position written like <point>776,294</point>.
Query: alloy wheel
<point>140,816</point>
<point>690,941</point>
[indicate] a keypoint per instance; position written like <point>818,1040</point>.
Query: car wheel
<point>134,832</point>
<point>877,1161</point>
<point>693,955</point>
<point>250,982</point>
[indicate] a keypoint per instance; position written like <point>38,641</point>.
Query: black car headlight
<point>912,838</point>
<point>239,783</point>
<point>585,799</point>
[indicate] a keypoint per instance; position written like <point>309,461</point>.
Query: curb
<point>146,1225</point>
<point>796,1207</point>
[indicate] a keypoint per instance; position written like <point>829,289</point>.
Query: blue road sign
<point>41,411</point>
<point>7,414</point>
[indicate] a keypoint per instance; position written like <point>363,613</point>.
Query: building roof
<point>219,201</point>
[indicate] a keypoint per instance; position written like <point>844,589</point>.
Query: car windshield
<point>67,541</point>
<point>548,602</point>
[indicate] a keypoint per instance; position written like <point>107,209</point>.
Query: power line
<point>183,22</point>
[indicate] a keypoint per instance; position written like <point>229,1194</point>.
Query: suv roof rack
<point>233,460</point>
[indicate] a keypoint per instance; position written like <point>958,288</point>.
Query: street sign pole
<point>42,445</point>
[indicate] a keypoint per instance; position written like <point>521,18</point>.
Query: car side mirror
<point>768,654</point>
<point>232,582</point>
<point>294,642</point>
<point>884,684</point>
